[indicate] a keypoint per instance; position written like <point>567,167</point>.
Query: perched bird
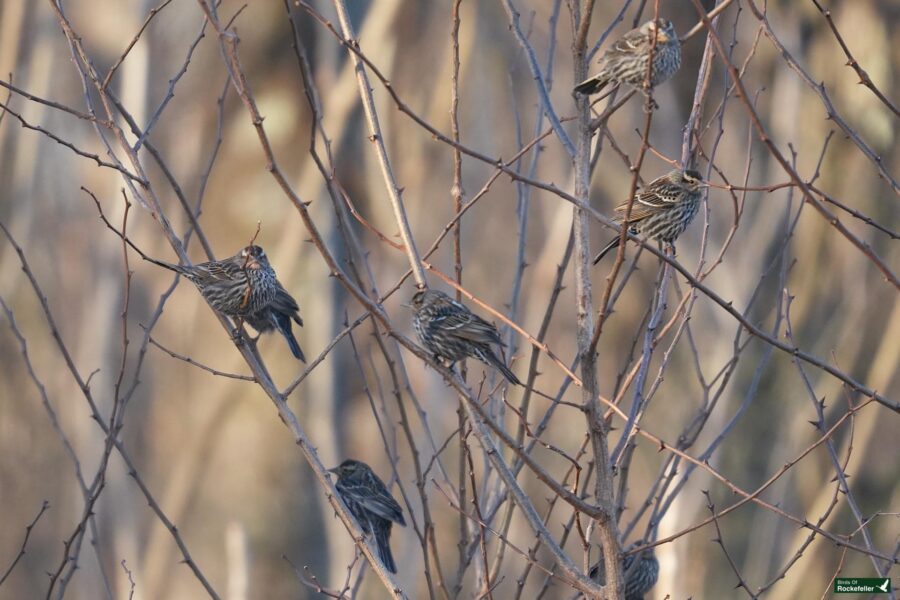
<point>371,504</point>
<point>236,287</point>
<point>277,316</point>
<point>638,578</point>
<point>450,331</point>
<point>626,60</point>
<point>663,209</point>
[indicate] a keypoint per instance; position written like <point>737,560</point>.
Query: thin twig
<point>44,506</point>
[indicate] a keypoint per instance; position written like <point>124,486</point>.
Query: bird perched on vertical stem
<point>638,578</point>
<point>626,60</point>
<point>278,316</point>
<point>371,505</point>
<point>663,209</point>
<point>450,331</point>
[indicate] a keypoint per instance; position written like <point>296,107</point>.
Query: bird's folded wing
<point>386,507</point>
<point>220,271</point>
<point>468,326</point>
<point>374,497</point>
<point>639,211</point>
<point>284,302</point>
<point>627,44</point>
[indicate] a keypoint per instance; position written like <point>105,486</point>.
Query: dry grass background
<point>216,456</point>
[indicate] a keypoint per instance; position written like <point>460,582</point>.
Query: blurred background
<point>213,452</point>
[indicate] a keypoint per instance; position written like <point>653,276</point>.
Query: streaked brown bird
<point>638,578</point>
<point>371,504</point>
<point>244,286</point>
<point>626,60</point>
<point>237,286</point>
<point>663,209</point>
<point>278,316</point>
<point>452,332</point>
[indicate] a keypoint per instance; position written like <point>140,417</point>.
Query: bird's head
<point>691,180</point>
<point>254,257</point>
<point>348,469</point>
<point>425,297</point>
<point>663,28</point>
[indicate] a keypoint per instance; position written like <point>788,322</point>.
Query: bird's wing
<point>285,304</point>
<point>625,45</point>
<point>386,507</point>
<point>646,202</point>
<point>283,301</point>
<point>640,209</point>
<point>459,321</point>
<point>372,495</point>
<point>657,196</point>
<point>219,271</point>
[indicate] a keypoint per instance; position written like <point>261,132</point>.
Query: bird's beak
<point>405,305</point>
<point>332,470</point>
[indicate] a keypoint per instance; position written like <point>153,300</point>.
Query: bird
<point>626,60</point>
<point>238,286</point>
<point>638,579</point>
<point>277,316</point>
<point>663,209</point>
<point>449,330</point>
<point>371,505</point>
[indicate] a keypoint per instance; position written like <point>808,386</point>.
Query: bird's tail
<point>592,85</point>
<point>383,541</point>
<point>613,244</point>
<point>490,358</point>
<point>295,347</point>
<point>283,323</point>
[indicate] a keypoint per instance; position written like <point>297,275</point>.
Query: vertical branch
<point>626,441</point>
<point>539,80</point>
<point>457,192</point>
<point>690,130</point>
<point>467,453</point>
<point>596,426</point>
<point>375,136</point>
